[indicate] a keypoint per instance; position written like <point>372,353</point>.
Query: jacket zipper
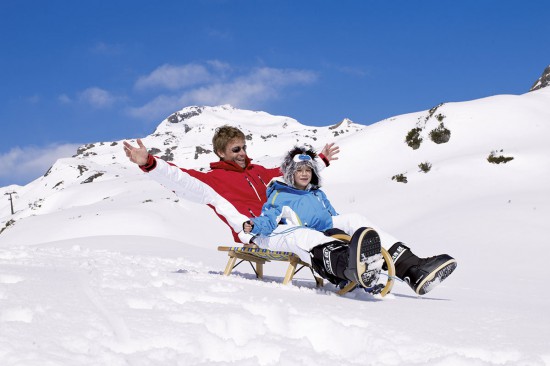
<point>261,180</point>
<point>254,188</point>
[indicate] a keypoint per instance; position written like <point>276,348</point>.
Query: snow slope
<point>100,266</point>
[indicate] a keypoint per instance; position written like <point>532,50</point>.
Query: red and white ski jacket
<point>233,192</point>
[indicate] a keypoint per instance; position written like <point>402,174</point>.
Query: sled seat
<point>253,254</point>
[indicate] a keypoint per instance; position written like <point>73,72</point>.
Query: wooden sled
<point>253,254</point>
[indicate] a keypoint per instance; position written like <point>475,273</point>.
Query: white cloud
<point>22,165</point>
<point>97,97</point>
<point>103,48</point>
<point>64,99</point>
<point>219,34</point>
<point>174,77</point>
<point>281,77</point>
<point>35,99</point>
<point>219,67</point>
<point>250,90</point>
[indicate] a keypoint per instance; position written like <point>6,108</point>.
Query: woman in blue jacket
<point>296,204</point>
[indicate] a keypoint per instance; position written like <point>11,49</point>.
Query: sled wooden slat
<point>259,257</point>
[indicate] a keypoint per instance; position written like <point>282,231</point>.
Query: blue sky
<point>74,72</point>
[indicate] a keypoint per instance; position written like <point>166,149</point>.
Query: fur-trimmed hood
<point>290,165</point>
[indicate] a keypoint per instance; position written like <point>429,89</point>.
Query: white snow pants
<point>300,240</point>
<point>351,222</point>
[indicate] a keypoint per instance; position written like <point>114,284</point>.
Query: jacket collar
<point>232,166</point>
<point>279,184</point>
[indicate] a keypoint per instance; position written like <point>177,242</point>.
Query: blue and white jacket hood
<point>289,166</point>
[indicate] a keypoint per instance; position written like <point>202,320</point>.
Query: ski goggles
<point>301,157</point>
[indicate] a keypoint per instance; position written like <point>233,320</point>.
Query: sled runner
<point>252,254</point>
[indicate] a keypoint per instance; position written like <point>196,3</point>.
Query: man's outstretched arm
<point>183,184</point>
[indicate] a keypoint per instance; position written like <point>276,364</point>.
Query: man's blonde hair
<point>223,136</point>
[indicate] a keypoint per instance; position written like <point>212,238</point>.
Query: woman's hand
<point>247,226</point>
<point>330,151</point>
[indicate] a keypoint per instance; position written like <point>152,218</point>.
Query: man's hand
<point>330,151</point>
<point>138,154</point>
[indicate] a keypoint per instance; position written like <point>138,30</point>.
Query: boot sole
<point>369,257</point>
<point>436,277</point>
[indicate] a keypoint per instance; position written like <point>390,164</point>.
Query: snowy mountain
<point>184,137</point>
<point>100,265</point>
<point>543,81</point>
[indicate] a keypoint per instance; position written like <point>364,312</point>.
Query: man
<point>236,189</point>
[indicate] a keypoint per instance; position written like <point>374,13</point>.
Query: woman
<point>296,202</point>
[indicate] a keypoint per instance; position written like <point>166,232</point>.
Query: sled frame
<point>258,257</point>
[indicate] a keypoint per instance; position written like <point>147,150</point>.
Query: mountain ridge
<point>478,130</point>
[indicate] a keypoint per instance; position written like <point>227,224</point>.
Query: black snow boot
<point>422,274</point>
<point>365,259</point>
<point>330,260</point>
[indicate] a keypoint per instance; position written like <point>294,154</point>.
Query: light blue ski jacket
<point>288,205</point>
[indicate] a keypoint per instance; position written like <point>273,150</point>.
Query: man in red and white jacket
<point>234,188</point>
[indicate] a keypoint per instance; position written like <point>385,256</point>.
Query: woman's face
<point>302,177</point>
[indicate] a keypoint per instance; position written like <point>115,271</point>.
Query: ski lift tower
<point>11,199</point>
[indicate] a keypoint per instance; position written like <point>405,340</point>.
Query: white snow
<point>120,272</point>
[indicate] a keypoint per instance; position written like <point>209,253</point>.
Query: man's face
<point>235,151</point>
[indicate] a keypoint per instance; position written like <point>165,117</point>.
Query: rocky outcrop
<point>543,81</point>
